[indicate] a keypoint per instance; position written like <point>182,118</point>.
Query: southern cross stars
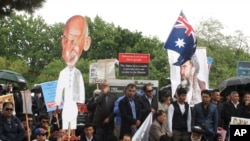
<point>180,43</point>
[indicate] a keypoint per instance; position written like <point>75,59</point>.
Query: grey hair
<point>233,92</point>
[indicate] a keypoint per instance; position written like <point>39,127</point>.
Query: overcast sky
<point>151,17</point>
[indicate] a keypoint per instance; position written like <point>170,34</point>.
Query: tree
<point>30,39</point>
<point>7,7</point>
<point>225,50</point>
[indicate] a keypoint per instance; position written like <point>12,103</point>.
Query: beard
<point>192,139</point>
<point>185,83</point>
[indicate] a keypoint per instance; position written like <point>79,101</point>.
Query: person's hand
<point>57,111</point>
<point>106,121</point>
<point>138,122</point>
<point>152,110</point>
<point>169,134</point>
<point>133,126</point>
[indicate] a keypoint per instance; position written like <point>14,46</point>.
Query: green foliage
<point>7,7</point>
<point>225,50</point>
<point>33,48</point>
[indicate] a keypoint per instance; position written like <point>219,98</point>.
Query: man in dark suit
<point>205,114</point>
<point>130,111</point>
<point>148,101</point>
<point>104,116</point>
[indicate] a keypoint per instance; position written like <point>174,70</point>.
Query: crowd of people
<point>118,118</point>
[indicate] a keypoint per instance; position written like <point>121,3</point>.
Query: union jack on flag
<point>182,40</point>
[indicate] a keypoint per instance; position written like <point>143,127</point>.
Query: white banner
<point>239,121</point>
<point>106,69</point>
<point>27,102</point>
<point>142,134</point>
<point>194,74</point>
<point>101,70</point>
<point>93,73</point>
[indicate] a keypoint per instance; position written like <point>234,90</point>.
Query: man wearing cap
<point>41,134</point>
<point>196,134</point>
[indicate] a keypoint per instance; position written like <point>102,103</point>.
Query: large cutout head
<point>75,39</point>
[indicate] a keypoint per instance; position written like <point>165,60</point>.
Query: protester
<point>196,134</point>
<point>126,137</point>
<point>245,111</point>
<point>179,117</point>
<point>216,99</point>
<point>104,115</point>
<point>117,118</point>
<point>164,102</point>
<point>43,123</point>
<point>149,103</point>
<point>38,105</point>
<point>40,135</point>
<point>231,108</point>
<point>218,137</point>
<point>88,134</point>
<point>205,114</point>
<point>129,107</point>
<point>8,89</point>
<point>10,126</point>
<point>91,105</point>
<point>158,130</point>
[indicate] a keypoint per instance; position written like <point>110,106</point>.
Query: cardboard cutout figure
<point>70,86</point>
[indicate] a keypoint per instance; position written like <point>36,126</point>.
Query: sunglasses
<point>149,91</point>
<point>8,109</point>
<point>45,121</point>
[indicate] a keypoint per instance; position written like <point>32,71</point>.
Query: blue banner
<point>49,92</point>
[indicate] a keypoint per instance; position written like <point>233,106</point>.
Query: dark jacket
<point>208,118</point>
<point>245,111</point>
<point>38,106</point>
<point>230,111</point>
<point>146,106</point>
<point>83,138</point>
<point>12,131</point>
<point>127,116</point>
<point>104,110</point>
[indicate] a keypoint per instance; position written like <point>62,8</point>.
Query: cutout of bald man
<point>70,85</point>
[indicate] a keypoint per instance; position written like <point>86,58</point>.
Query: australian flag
<point>182,40</point>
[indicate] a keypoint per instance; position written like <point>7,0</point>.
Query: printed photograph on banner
<point>192,75</point>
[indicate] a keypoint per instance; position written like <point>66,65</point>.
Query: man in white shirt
<point>179,117</point>
<point>70,87</point>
